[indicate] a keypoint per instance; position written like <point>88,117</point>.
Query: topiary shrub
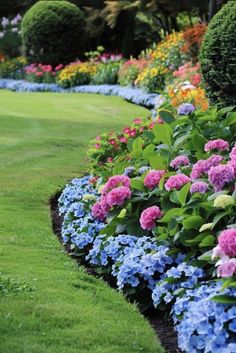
<point>218,56</point>
<point>52,32</point>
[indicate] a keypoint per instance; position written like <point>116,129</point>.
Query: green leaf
<point>183,193</point>
<point>196,240</point>
<point>206,256</point>
<point>198,141</point>
<point>208,241</point>
<point>148,152</point>
<point>180,141</point>
<point>122,214</point>
<point>137,184</point>
<point>230,120</point>
<point>163,133</point>
<point>224,111</point>
<point>171,214</point>
<point>166,116</point>
<point>149,135</point>
<point>137,147</point>
<point>193,222</point>
<point>224,299</point>
<point>218,217</point>
<point>157,162</point>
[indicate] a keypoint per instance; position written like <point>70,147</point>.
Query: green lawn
<point>43,139</point>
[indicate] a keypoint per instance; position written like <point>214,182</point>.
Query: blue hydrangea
<point>177,278</point>
<point>143,169</point>
<point>204,326</point>
<point>129,171</point>
<point>186,109</point>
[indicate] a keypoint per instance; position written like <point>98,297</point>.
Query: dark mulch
<point>160,321</point>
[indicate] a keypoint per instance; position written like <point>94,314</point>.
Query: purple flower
<point>220,175</point>
<point>203,166</point>
<point>177,181</point>
<point>149,216</point>
<point>179,161</point>
<point>186,108</point>
<point>199,186</point>
<point>220,145</point>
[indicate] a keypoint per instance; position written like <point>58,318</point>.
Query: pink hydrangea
<point>98,211</point>
<point>233,153</point>
<point>179,161</point>
<point>115,181</point>
<point>199,186</point>
<point>203,166</point>
<point>149,216</point>
<point>220,175</point>
<point>153,178</point>
<point>227,242</point>
<point>117,196</point>
<point>226,267</point>
<point>177,181</point>
<point>220,145</point>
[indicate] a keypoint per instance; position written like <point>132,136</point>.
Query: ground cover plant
<point>67,310</point>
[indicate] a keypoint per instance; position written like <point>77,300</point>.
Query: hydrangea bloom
<point>143,169</point>
<point>203,166</point>
<point>204,326</point>
<point>98,211</point>
<point>220,175</point>
<point>219,145</point>
<point>116,181</point>
<point>117,196</point>
<point>233,153</point>
<point>226,267</point>
<point>153,178</point>
<point>223,201</point>
<point>186,109</point>
<point>182,276</point>
<point>177,181</point>
<point>149,216</point>
<point>129,171</point>
<point>199,186</point>
<point>227,241</point>
<point>179,161</point>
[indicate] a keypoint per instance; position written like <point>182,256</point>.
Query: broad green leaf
<point>166,116</point>
<point>163,133</point>
<point>148,152</point>
<point>183,193</point>
<point>157,162</point>
<point>218,217</point>
<point>196,240</point>
<point>171,214</point>
<point>224,299</point>
<point>224,111</point>
<point>122,213</point>
<point>208,241</point>
<point>137,147</point>
<point>198,141</point>
<point>137,184</point>
<point>193,222</point>
<point>230,120</point>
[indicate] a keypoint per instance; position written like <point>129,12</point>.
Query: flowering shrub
<point>188,72</point>
<point>188,94</point>
<point>42,73</point>
<point>12,68</point>
<point>106,73</point>
<point>193,37</point>
<point>129,71</point>
<point>76,74</point>
<point>152,78</point>
<point>10,36</point>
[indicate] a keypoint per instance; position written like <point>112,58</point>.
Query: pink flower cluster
<point>220,175</point>
<point>219,145</point>
<point>187,72</point>
<point>203,166</point>
<point>226,248</point>
<point>130,131</point>
<point>179,161</point>
<point>199,186</point>
<point>149,216</point>
<point>153,178</point>
<point>114,193</point>
<point>177,181</point>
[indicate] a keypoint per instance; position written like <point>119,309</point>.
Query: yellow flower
<point>223,201</point>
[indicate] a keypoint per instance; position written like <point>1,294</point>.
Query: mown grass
<point>43,139</point>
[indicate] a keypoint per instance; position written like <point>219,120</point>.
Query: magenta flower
<point>219,145</point>
<point>177,181</point>
<point>199,186</point>
<point>227,241</point>
<point>227,267</point>
<point>115,181</point>
<point>179,161</point>
<point>149,216</point>
<point>98,211</point>
<point>220,175</point>
<point>117,196</point>
<point>233,153</point>
<point>153,178</point>
<point>204,165</point>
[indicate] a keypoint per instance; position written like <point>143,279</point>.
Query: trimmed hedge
<point>218,56</point>
<point>53,32</point>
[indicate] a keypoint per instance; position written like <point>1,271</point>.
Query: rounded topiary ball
<point>52,32</point>
<point>218,56</point>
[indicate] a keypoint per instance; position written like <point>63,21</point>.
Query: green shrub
<point>218,56</point>
<point>52,32</point>
<point>106,74</point>
<point>12,68</point>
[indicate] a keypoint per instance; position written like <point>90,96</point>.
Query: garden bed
<point>160,321</point>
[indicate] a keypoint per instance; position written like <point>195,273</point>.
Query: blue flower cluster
<point>134,95</point>
<point>79,228</point>
<point>205,326</point>
<point>174,280</point>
